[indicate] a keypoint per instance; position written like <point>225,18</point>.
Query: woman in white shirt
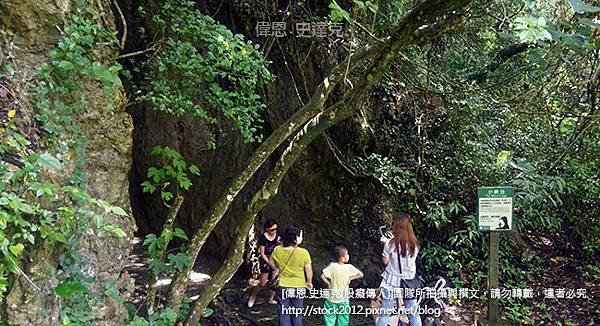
<point>399,254</point>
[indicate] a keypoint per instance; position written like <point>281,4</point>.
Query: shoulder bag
<point>413,283</point>
<point>274,282</point>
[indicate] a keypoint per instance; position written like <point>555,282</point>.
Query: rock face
<point>32,30</point>
<point>107,165</point>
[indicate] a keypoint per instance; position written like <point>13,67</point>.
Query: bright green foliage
<point>394,178</point>
<point>164,318</point>
<point>543,21</point>
<point>518,312</point>
<point>60,93</point>
<point>205,70</point>
<point>61,89</point>
<point>167,317</point>
<point>75,288</point>
<point>34,207</point>
<point>172,176</point>
<point>379,17</point>
<point>338,14</point>
<point>532,29</point>
<point>42,196</point>
<point>156,244</point>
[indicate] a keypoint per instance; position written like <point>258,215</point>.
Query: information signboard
<point>495,208</point>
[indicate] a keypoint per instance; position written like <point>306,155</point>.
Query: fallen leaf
<point>11,113</point>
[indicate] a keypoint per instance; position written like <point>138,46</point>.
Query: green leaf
<point>179,261</point>
<point>118,211</point>
<point>66,65</point>
<point>535,57</point>
<point>372,7</point>
<point>502,157</point>
<point>589,23</point>
<point>117,231</point>
<point>156,151</point>
<point>207,312</point>
<point>112,291</point>
<point>151,242</point>
<point>29,237</point>
<point>179,164</point>
<point>338,14</point>
<point>25,208</point>
<point>185,183</point>
<point>68,289</point>
<point>166,196</point>
<point>581,7</point>
<point>194,169</point>
<point>50,161</point>
<point>16,249</point>
<point>155,174</point>
<point>574,41</point>
<point>9,69</point>
<point>42,189</point>
<point>360,4</point>
<point>157,267</point>
<point>166,236</point>
<point>179,233</point>
<point>97,219</point>
<point>148,187</point>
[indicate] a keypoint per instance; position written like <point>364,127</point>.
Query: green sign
<point>495,208</point>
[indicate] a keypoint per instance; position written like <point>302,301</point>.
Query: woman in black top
<point>266,243</point>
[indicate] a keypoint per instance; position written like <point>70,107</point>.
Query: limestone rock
<point>32,28</point>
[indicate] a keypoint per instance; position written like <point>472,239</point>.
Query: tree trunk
<point>265,150</point>
<point>160,256</point>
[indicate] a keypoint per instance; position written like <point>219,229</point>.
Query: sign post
<point>494,211</point>
<point>493,277</point>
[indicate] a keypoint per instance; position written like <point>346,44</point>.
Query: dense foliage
<point>43,201</point>
<point>511,104</point>
<point>205,70</point>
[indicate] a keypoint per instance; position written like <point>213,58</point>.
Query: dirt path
<point>264,313</point>
<point>231,305</point>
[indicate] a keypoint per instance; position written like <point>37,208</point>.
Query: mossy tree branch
<point>265,150</point>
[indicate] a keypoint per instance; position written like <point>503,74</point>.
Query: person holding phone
<point>399,255</point>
